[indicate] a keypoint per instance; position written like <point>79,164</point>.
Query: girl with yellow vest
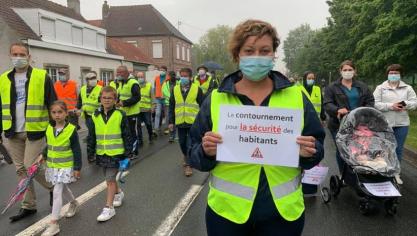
<point>110,141</point>
<point>63,160</point>
<point>185,102</point>
<point>253,199</point>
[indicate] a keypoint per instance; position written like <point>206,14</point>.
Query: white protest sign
<point>315,175</point>
<point>260,135</point>
<point>384,189</point>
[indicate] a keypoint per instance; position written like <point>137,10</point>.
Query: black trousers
<point>132,126</point>
<point>144,117</point>
<point>185,142</point>
<point>219,226</point>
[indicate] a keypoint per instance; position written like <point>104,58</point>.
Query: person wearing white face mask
<point>66,90</point>
<point>242,198</point>
<point>343,96</point>
<point>89,102</point>
<point>26,94</point>
<point>205,81</point>
<point>394,98</point>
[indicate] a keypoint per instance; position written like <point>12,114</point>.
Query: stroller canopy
<point>367,143</point>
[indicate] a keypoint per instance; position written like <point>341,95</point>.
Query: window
<point>89,38</point>
<point>101,41</point>
<point>183,52</point>
<point>77,36</point>
<point>53,71</point>
<point>47,28</point>
<point>178,52</point>
<point>157,48</point>
<point>106,75</point>
<point>188,54</point>
<point>63,31</point>
<point>133,42</point>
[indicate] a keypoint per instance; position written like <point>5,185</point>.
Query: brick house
<point>146,28</point>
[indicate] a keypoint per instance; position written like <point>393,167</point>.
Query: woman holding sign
<point>247,198</point>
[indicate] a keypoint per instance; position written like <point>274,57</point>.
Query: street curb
<point>410,152</point>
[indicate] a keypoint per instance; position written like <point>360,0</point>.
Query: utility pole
<point>178,25</point>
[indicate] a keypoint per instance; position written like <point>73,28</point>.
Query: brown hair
<point>109,89</point>
<point>395,67</point>
<point>347,63</point>
<point>19,44</point>
<point>249,28</point>
<point>59,103</point>
<point>187,70</point>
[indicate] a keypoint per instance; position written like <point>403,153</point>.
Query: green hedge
<point>412,133</point>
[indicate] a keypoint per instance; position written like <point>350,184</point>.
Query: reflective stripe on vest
<point>145,103</point>
<point>113,85</point>
<point>36,115</point>
<point>233,186</point>
<point>186,111</point>
<point>67,93</point>
<point>315,97</point>
<point>125,92</point>
<point>109,135</point>
<point>60,154</point>
<point>205,86</point>
<point>90,103</point>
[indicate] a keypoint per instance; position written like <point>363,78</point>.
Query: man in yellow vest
<point>313,93</point>
<point>129,96</point>
<point>145,105</point>
<point>205,81</point>
<point>184,105</point>
<point>88,101</point>
<point>25,96</point>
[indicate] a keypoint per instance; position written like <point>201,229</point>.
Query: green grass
<point>412,133</point>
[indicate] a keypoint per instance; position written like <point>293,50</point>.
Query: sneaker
<point>166,131</point>
<point>106,214</point>
<point>52,229</point>
<point>72,209</point>
<point>398,179</point>
<point>118,198</point>
<point>188,171</point>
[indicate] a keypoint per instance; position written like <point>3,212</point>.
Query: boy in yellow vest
<point>185,102</point>
<point>110,141</point>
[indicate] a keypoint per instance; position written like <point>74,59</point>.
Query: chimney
<point>105,10</point>
<point>74,4</point>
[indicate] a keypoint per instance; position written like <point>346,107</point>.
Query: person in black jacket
<point>25,133</point>
<point>343,96</point>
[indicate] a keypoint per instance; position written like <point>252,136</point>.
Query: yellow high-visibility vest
<point>145,102</point>
<point>36,115</point>
<point>233,186</point>
<point>60,154</point>
<point>90,103</point>
<point>125,92</point>
<point>205,86</point>
<point>315,97</point>
<point>186,111</point>
<point>109,134</point>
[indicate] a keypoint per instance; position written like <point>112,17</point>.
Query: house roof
<point>129,51</point>
<point>138,20</point>
<point>96,23</point>
<point>16,23</point>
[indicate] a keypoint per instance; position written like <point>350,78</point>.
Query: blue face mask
<point>310,82</point>
<point>256,68</point>
<point>184,81</point>
<point>394,77</point>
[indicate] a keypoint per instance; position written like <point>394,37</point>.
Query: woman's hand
<point>307,146</point>
<point>342,112</point>
<point>40,159</point>
<point>209,143</point>
<point>77,174</point>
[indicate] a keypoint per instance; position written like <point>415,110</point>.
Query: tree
<point>212,46</point>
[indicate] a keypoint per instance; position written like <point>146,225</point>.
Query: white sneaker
<point>51,230</point>
<point>398,179</point>
<point>118,198</point>
<point>72,209</point>
<point>106,214</point>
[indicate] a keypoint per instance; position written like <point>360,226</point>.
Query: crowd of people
<point>39,116</point>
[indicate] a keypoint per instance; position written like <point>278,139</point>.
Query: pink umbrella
<point>22,187</point>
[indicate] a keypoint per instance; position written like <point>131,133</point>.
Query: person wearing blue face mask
<point>394,98</point>
<point>184,104</point>
<point>241,200</point>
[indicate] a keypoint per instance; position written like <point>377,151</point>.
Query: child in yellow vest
<point>110,141</point>
<point>63,159</point>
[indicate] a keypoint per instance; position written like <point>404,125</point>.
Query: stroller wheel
<point>391,206</point>
<point>335,185</point>
<point>325,195</point>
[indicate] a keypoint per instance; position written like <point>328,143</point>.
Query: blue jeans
<point>160,105</point>
<point>338,158</point>
<point>400,133</point>
<point>144,117</point>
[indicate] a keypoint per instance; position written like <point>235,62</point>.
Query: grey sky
<point>200,15</point>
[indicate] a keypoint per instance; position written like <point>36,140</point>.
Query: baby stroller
<point>367,147</point>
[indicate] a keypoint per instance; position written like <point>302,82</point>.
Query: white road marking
<point>171,221</point>
<point>39,226</point>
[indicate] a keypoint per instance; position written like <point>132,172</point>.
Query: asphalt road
<point>156,186</point>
